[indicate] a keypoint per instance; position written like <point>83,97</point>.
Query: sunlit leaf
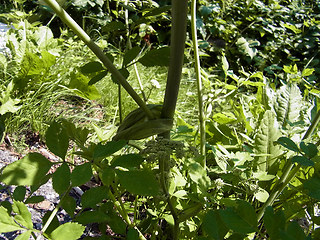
<point>68,231</point>
<point>29,170</point>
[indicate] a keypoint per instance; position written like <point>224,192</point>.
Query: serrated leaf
<point>29,170</point>
<point>98,77</point>
<point>131,55</point>
<point>23,216</point>
<point>288,104</point>
<point>92,67</point>
<point>103,151</point>
<point>156,57</point>
<point>57,139</point>
<point>93,196</point>
<point>68,231</point>
<point>81,174</point>
<point>213,225</point>
<point>303,161</point>
<point>263,176</point>
<point>7,224</point>
<point>288,143</point>
<point>139,182</point>
<point>61,179</point>
<point>267,134</point>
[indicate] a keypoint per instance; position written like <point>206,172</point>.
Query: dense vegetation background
<point>260,75</point>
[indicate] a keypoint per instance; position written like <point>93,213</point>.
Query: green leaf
<point>224,118</point>
<point>261,195</point>
<point>7,224</point>
<point>87,217</point>
<point>293,231</point>
<point>199,175</point>
<point>24,236</point>
<point>288,104</point>
<point>103,151</point>
<point>93,196</point>
<point>77,134</point>
<point>132,234</point>
<point>309,149</point>
<point>23,216</point>
<point>57,139</point>
<point>81,174</point>
<point>27,171</point>
<point>19,193</point>
<point>141,130</point>
<point>302,161</point>
<point>98,77</point>
<point>69,205</point>
<point>288,143</point>
<point>128,161</point>
<point>292,69</point>
<point>139,182</point>
<point>68,231</point>
<point>312,186</point>
<point>107,176</point>
<point>35,199</point>
<point>307,72</point>
<point>155,11</point>
<point>92,67</point>
<point>131,55</point>
<point>124,72</point>
<point>274,222</point>
<point>156,57</point>
<point>235,222</point>
<point>79,84</point>
<point>213,225</point>
<point>267,152</point>
<point>61,179</point>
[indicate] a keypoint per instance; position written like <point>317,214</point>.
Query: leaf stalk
<point>65,17</point>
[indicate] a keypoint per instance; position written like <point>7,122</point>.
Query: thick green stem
<point>178,37</point>
<point>199,82</point>
<point>289,172</point>
<point>64,16</point>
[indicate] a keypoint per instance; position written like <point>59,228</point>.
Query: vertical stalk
<point>199,82</point>
<point>65,17</point>
<point>178,38</point>
<point>288,173</point>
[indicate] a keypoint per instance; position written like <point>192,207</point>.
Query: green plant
<point>162,187</point>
